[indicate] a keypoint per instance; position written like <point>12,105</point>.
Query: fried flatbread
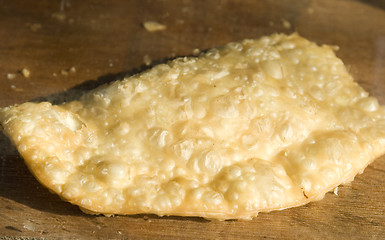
<point>254,126</point>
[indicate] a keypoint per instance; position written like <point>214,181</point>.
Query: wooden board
<point>104,39</point>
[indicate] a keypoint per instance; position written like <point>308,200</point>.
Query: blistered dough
<point>254,126</point>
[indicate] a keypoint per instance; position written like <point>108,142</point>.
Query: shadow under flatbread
<point>375,3</point>
<point>77,91</point>
<point>172,217</point>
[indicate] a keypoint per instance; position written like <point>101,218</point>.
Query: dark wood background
<point>104,40</point>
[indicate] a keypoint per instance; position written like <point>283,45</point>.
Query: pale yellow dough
<point>254,126</point>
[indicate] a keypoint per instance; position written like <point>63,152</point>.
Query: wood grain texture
<point>104,40</point>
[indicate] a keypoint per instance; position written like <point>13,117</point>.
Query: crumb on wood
<point>16,89</point>
<point>34,27</point>
<point>25,72</point>
<point>153,26</point>
<point>11,76</point>
<point>65,72</point>
<point>185,9</point>
<point>286,24</point>
<point>147,60</point>
<point>310,10</point>
<point>29,226</point>
<point>59,16</point>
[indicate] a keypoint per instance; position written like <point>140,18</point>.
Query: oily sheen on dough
<point>257,125</point>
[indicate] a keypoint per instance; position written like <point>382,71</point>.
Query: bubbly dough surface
<point>257,125</point>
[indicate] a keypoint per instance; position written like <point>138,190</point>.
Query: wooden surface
<point>104,39</point>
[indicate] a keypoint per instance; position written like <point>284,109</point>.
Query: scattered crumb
<point>271,23</point>
<point>196,51</point>
<point>185,9</point>
<point>153,26</point>
<point>25,72</point>
<point>64,72</point>
<point>119,232</point>
<point>310,10</point>
<point>11,76</point>
<point>147,60</point>
<point>29,226</point>
<point>286,24</point>
<point>16,89</point>
<point>111,64</point>
<point>34,26</point>
<point>59,16</point>
<point>335,191</point>
<point>54,74</point>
